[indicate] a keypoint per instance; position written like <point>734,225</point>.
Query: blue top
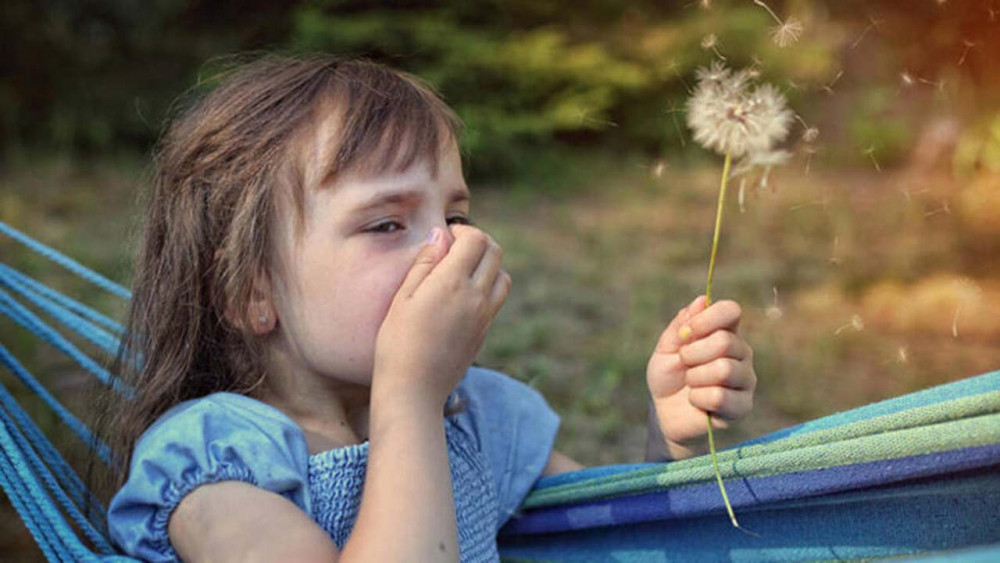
<point>497,449</point>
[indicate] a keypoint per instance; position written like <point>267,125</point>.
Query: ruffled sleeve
<point>516,430</point>
<point>221,437</point>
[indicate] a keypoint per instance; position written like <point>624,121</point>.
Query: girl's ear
<point>263,315</point>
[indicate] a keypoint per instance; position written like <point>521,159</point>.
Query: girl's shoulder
<point>219,437</point>
<point>219,411</point>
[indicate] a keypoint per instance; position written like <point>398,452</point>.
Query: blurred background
<point>868,266</point>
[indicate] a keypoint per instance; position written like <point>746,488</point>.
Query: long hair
<point>208,221</point>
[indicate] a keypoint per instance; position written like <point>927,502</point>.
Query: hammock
<point>914,476</point>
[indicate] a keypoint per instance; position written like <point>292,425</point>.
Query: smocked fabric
<point>497,449</point>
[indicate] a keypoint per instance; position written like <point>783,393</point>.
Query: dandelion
<point>730,117</point>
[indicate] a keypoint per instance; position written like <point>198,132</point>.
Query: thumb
<point>425,261</point>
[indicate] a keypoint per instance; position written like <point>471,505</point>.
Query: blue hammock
<point>913,476</point>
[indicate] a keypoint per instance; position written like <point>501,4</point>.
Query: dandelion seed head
<point>729,117</point>
<point>787,33</point>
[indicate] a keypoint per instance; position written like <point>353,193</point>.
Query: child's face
<point>335,285</point>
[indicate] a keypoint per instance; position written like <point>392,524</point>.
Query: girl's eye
<point>383,228</point>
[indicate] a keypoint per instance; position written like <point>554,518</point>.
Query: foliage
<point>522,75</point>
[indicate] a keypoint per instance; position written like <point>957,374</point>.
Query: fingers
<point>720,315</point>
<point>719,344</point>
<point>425,261</point>
<point>470,247</point>
<point>501,288</point>
<point>670,340</point>
<point>489,267</point>
<point>723,403</point>
<point>722,372</point>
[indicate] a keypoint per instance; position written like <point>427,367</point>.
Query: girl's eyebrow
<point>406,196</point>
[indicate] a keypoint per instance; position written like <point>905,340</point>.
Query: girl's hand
<point>700,365</point>
<point>440,315</point>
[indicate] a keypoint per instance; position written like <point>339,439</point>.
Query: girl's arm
<point>561,463</point>
<point>407,512</point>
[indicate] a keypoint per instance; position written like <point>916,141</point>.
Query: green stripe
<point>961,423</point>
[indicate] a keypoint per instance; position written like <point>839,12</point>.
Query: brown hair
<point>219,169</point>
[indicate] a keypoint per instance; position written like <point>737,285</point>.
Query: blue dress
<point>497,449</point>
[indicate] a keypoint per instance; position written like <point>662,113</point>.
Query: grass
<point>600,267</point>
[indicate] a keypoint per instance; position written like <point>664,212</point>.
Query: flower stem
<point>708,301</point>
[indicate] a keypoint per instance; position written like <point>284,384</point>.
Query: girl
<point>308,301</point>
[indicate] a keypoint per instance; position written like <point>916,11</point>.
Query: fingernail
<point>434,235</point>
<point>685,332</point>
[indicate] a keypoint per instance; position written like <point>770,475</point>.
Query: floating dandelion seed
<point>857,323</point>
<point>870,151</point>
<point>735,121</point>
<point>902,356</point>
<point>774,312</point>
<point>673,66</point>
<point>742,194</point>
<point>833,253</point>
<point>786,32</point>
<point>943,209</point>
<point>967,293</point>
<point>705,4</point>
<point>829,86</point>
<point>810,134</point>
<point>709,43</point>
<point>673,116</point>
<point>968,45</point>
<point>765,160</point>
<point>872,24</point>
<point>658,168</point>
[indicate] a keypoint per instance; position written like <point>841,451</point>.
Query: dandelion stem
<point>708,301</point>
<point>718,227</point>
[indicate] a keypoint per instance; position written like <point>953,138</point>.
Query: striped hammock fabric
<point>916,477</point>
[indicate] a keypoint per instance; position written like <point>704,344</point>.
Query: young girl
<point>308,301</point>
